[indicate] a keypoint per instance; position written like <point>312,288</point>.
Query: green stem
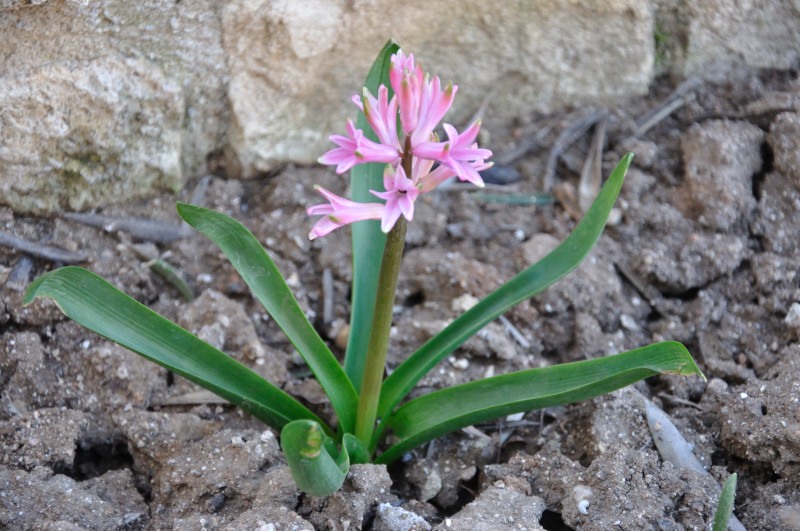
<point>379,336</point>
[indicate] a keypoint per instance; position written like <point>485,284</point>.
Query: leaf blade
<point>97,305</point>
<point>722,516</point>
<point>267,284</point>
<point>317,467</point>
<point>441,412</point>
<point>566,257</point>
<point>368,239</point>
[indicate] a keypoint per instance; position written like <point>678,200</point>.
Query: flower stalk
<point>379,336</point>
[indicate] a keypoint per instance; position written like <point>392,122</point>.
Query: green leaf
<point>368,240</point>
<point>355,449</point>
<point>529,282</point>
<point>316,465</point>
<point>725,508</point>
<point>262,276</point>
<point>440,412</point>
<point>94,303</point>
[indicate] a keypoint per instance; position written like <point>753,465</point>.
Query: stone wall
<point>103,100</point>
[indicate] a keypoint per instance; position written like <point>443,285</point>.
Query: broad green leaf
<point>529,282</point>
<point>440,412</point>
<point>355,449</point>
<point>265,281</point>
<point>725,508</point>
<point>94,303</point>
<point>368,240</point>
<point>316,465</point>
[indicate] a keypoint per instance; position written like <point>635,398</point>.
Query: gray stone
<point>293,65</point>
<point>108,100</point>
<point>391,518</point>
<point>269,519</point>
<point>76,134</point>
<point>760,422</point>
<point>365,487</point>
<point>777,213</point>
<point>760,33</point>
<point>45,438</point>
<point>224,323</point>
<point>784,139</point>
<point>31,379</point>
<point>691,261</point>
<point>499,508</point>
<point>29,501</point>
<point>720,158</point>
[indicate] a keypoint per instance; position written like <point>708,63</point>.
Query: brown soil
<point>702,248</point>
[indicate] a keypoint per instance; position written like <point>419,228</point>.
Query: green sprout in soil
<point>395,156</point>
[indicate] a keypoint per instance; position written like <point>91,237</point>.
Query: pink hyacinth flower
<point>434,104</point>
<point>442,173</point>
<point>458,153</point>
<point>381,114</point>
<point>338,212</point>
<point>355,148</point>
<point>407,80</point>
<point>400,195</point>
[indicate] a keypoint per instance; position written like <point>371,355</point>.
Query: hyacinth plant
<point>394,155</point>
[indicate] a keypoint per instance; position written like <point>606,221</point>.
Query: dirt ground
<point>703,248</point>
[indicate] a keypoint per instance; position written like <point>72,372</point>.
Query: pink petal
<point>339,212</point>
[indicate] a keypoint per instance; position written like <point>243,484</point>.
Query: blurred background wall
<point>105,100</point>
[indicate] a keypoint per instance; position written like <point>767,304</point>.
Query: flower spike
<point>419,104</point>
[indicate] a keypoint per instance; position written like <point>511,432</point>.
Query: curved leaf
<point>316,465</point>
<point>529,282</point>
<point>262,276</point>
<point>368,239</point>
<point>94,303</point>
<point>440,412</point>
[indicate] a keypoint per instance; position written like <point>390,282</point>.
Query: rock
<point>224,324</point>
<point>293,65</point>
<point>631,488</point>
<point>194,466</point>
<point>78,134</point>
<point>491,341</point>
<point>118,488</point>
<point>31,378</point>
<point>441,476</point>
<point>784,139</point>
<point>104,101</point>
<point>46,437</point>
<point>720,158</point>
<point>268,519</point>
<point>424,475</point>
<point>683,262</point>
<point>537,247</point>
<point>499,508</point>
<point>594,289</point>
<point>616,418</point>
<point>366,486</point>
<point>760,421</point>
<point>778,210</point>
<point>792,319</point>
<point>29,501</point>
<point>171,90</point>
<point>548,473</point>
<point>760,34</point>
<point>391,518</point>
<point>776,281</point>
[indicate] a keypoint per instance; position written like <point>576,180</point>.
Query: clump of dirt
<point>703,248</point>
